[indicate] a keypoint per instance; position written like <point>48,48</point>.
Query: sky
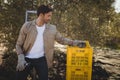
<point>116,5</point>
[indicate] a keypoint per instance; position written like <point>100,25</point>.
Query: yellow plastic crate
<point>79,56</point>
<point>77,73</point>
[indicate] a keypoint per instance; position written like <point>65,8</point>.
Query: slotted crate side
<point>79,56</point>
<point>77,73</point>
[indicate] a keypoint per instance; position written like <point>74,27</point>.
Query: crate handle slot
<point>78,69</point>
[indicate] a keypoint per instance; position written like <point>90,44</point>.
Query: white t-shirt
<point>37,50</point>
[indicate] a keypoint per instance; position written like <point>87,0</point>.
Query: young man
<point>35,45</point>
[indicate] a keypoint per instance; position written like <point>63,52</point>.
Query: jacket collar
<point>34,24</point>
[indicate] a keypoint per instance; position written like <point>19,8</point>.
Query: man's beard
<point>47,21</point>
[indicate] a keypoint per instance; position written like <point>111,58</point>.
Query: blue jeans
<point>40,66</point>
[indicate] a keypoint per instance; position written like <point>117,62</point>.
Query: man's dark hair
<point>43,9</point>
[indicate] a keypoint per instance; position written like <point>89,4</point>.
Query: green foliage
<point>9,61</point>
<point>84,20</point>
<point>8,66</point>
<point>113,42</point>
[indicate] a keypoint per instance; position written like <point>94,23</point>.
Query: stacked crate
<point>79,63</point>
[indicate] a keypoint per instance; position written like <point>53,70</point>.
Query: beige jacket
<point>28,35</point>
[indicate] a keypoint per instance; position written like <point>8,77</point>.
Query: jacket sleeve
<point>62,40</point>
<point>21,39</point>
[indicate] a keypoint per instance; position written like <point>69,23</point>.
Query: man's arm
<point>60,39</point>
<point>21,39</point>
<point>19,48</point>
<point>65,41</point>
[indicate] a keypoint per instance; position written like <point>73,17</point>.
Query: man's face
<point>47,17</point>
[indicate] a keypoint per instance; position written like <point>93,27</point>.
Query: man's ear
<point>41,15</point>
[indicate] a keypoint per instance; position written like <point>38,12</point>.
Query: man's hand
<point>21,62</point>
<point>81,44</point>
